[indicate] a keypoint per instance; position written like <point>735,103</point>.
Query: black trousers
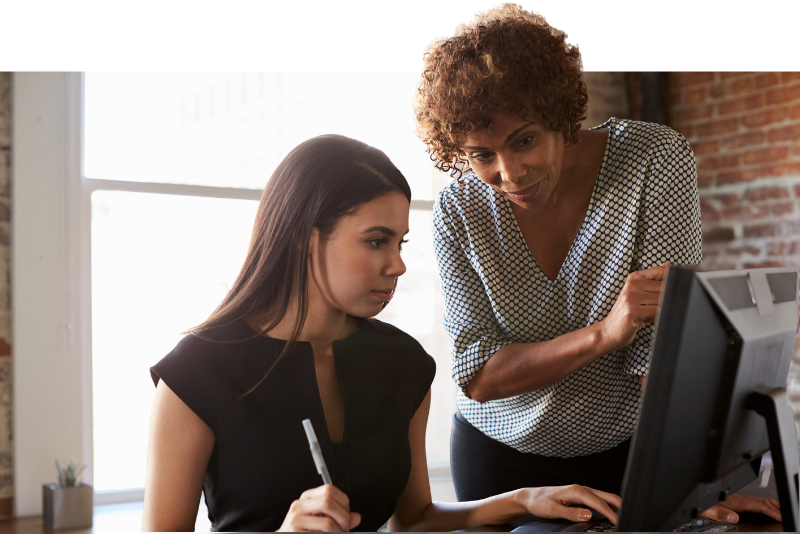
<point>483,467</point>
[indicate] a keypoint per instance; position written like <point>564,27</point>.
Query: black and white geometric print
<point>644,211</point>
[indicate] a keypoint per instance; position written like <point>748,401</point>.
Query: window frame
<point>52,231</point>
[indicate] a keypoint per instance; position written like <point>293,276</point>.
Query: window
<point>174,165</point>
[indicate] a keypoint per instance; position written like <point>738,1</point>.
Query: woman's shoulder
<point>643,137</point>
<point>205,368</point>
<point>391,337</point>
<point>464,199</point>
<point>213,355</point>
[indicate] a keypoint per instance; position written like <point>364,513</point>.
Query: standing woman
<point>552,247</point>
<point>294,339</point>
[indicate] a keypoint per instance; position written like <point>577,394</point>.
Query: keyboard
<point>697,525</point>
<point>539,525</point>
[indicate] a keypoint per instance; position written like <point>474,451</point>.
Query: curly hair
<point>505,59</point>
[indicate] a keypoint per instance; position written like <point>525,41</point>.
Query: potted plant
<point>67,504</point>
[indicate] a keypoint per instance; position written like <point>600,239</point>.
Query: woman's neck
<point>323,324</point>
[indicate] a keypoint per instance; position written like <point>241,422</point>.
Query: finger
<point>571,513</point>
<point>740,503</point>
<point>355,520</point>
<point>653,273</point>
<point>325,507</point>
<point>587,497</point>
<point>646,285</point>
<point>720,513</point>
<point>615,501</point>
<point>316,523</point>
<point>328,490</point>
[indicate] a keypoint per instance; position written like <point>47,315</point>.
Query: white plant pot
<point>67,507</point>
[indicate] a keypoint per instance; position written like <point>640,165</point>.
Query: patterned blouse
<point>644,211</point>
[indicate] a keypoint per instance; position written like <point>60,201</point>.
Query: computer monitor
<point>715,399</point>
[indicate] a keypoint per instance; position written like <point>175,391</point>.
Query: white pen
<point>316,452</point>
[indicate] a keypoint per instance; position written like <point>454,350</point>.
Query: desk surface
<point>747,523</point>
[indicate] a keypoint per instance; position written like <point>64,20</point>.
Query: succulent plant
<point>68,476</point>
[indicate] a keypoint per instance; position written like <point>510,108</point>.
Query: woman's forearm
<point>523,367</point>
<point>446,516</point>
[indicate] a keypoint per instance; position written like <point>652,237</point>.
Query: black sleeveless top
<point>261,460</point>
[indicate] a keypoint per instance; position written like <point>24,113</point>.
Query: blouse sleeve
<point>204,375</point>
<point>668,229</point>
<point>469,320</point>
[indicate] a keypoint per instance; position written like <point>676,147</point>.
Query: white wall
<point>52,376</point>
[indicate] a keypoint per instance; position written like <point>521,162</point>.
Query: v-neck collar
<point>503,201</point>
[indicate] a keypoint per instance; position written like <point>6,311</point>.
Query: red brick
<point>745,139</point>
<point>717,90</point>
<point>694,96</point>
<point>7,507</point>
<point>741,86</point>
<point>766,193</point>
<point>718,162</point>
<point>5,348</point>
<point>716,127</point>
<point>727,75</point>
<point>707,212</point>
<point>784,94</point>
<point>794,111</point>
<point>765,155</point>
<point>797,190</point>
<point>757,211</point>
<point>782,208</point>
<point>718,235</point>
<point>739,251</point>
<point>692,113</point>
<point>742,175</point>
<point>782,169</point>
<point>727,200</point>
<point>768,116</point>
<point>784,133</point>
<point>685,130</point>
<point>737,105</point>
<point>782,248</point>
<point>760,264</point>
<point>685,79</point>
<point>733,213</point>
<point>705,147</point>
<point>674,98</point>
<point>790,76</point>
<point>705,178</point>
<point>780,228</point>
<point>767,79</point>
<point>777,248</point>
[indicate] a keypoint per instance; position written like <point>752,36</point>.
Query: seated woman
<point>551,248</point>
<point>294,339</point>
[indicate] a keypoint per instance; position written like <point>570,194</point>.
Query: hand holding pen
<point>325,508</point>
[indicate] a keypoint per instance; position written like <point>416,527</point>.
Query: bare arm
<point>178,452</point>
<point>520,368</point>
<point>416,512</point>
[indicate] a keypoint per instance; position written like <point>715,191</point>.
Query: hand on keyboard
<point>569,502</point>
<point>726,510</point>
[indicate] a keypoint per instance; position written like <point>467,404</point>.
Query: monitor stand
<point>772,405</point>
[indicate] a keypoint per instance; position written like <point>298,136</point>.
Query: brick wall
<point>6,461</point>
<point>745,132</point>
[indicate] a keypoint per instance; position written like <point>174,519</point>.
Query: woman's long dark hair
<point>317,183</point>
